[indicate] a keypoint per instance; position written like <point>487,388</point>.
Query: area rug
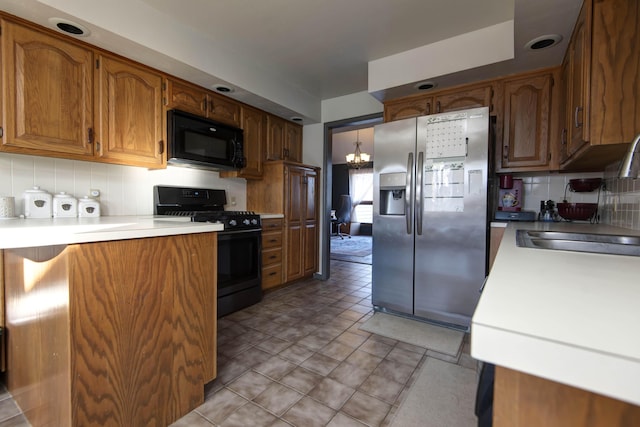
<point>355,249</point>
<point>432,337</point>
<point>443,395</point>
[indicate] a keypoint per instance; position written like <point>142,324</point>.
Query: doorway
<point>345,133</point>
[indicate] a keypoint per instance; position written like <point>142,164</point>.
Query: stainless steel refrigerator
<point>430,215</point>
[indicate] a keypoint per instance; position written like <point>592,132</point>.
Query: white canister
<point>65,206</point>
<point>7,207</point>
<point>88,208</point>
<point>37,203</point>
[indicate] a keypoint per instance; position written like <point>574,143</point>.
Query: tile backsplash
<point>124,190</point>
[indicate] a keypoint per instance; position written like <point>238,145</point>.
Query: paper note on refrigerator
<point>443,189</point>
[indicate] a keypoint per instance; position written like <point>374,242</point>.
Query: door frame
<point>327,180</point>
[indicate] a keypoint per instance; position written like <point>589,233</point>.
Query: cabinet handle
<point>286,153</point>
<point>273,257</point>
<point>575,117</point>
<point>90,135</point>
<point>161,147</point>
<point>204,105</point>
<point>273,240</point>
<point>563,139</point>
<point>1,132</point>
<point>428,108</point>
<point>505,154</point>
<point>99,147</point>
<point>438,107</point>
<point>273,273</point>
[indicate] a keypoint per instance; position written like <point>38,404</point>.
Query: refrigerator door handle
<point>408,193</point>
<point>419,199</point>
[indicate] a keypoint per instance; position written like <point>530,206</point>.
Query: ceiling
<point>283,55</point>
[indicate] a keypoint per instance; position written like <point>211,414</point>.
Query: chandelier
<point>357,159</point>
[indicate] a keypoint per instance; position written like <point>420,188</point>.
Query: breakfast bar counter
<point>567,317</point>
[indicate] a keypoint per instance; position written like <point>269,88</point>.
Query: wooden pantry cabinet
<point>119,333</point>
<point>284,140</point>
<point>601,70</point>
<point>65,99</point>
<point>291,189</point>
<point>196,100</point>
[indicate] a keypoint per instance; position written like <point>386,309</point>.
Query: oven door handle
<point>253,230</point>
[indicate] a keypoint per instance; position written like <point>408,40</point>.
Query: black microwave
<point>198,142</point>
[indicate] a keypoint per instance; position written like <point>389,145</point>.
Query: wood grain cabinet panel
<point>284,140</point>
<point>131,125</point>
<point>48,94</point>
<point>123,335</point>
<point>463,98</point>
<point>526,136</point>
<point>601,70</point>
<point>291,189</point>
<point>272,238</point>
<point>407,108</point>
<point>522,400</point>
<point>254,127</point>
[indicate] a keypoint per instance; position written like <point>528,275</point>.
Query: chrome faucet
<point>630,165</point>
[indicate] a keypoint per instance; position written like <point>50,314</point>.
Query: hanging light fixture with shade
<point>357,159</point>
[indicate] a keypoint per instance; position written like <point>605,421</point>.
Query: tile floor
<point>299,358</point>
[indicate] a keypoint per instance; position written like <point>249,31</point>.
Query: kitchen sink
<point>612,244</point>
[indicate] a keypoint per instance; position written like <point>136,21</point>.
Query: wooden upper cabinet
<point>129,113</point>
<point>275,138</point>
<point>284,140</point>
<point>186,97</point>
<point>527,122</point>
<point>463,98</point>
<point>602,69</point>
<point>196,100</point>
<point>47,87</point>
<point>407,108</point>
<point>254,127</point>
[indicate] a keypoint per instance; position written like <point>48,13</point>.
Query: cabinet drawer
<point>271,240</point>
<point>271,276</point>
<point>272,224</point>
<point>271,256</point>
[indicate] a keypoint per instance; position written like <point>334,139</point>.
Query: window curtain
<point>360,188</point>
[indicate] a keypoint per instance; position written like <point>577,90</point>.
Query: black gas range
<point>239,245</point>
<point>202,205</point>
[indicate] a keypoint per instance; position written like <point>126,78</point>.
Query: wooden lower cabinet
<point>272,237</point>
<point>522,400</point>
<point>118,333</point>
<point>291,189</point>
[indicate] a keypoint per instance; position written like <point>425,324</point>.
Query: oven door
<point>239,261</point>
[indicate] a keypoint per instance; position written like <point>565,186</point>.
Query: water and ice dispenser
<point>392,193</point>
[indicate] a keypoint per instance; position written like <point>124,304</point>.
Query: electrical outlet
<point>233,200</point>
<point>94,193</point>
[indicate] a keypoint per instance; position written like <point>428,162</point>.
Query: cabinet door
<point>254,125</point>
<point>48,90</point>
<point>527,117</point>
<point>295,222</point>
<point>275,138</point>
<point>223,109</point>
<point>293,142</point>
<point>130,115</point>
<point>405,109</point>
<point>186,97</point>
<point>579,53</point>
<point>310,260</point>
<point>462,99</point>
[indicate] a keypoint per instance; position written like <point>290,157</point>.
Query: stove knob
<point>254,221</point>
<point>232,222</point>
<point>246,221</point>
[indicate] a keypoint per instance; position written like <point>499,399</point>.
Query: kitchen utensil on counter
<point>65,206</point>
<point>578,211</point>
<point>37,203</point>
<point>7,207</point>
<point>88,208</point>
<point>548,211</point>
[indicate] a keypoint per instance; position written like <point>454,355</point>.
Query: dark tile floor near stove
<point>299,358</point>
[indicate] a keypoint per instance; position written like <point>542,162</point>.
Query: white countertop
<point>24,233</point>
<point>568,317</point>
<point>270,215</point>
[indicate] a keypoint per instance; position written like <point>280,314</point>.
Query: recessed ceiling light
<point>296,119</point>
<point>223,88</point>
<point>69,27</point>
<point>425,85</point>
<point>543,42</point>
